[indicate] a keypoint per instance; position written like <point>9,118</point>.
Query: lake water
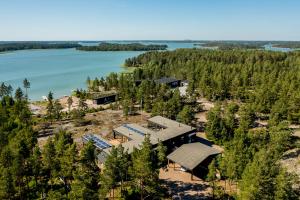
<point>63,70</point>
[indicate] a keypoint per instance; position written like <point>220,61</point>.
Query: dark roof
<point>103,95</point>
<point>165,80</point>
<point>191,155</point>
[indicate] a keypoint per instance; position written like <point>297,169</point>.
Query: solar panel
<point>133,129</point>
<point>99,143</point>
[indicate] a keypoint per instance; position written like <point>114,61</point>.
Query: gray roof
<point>191,155</point>
<point>171,129</point>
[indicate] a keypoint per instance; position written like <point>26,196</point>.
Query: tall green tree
<point>26,85</point>
<point>115,170</point>
<point>19,94</point>
<point>70,102</point>
<point>57,110</point>
<point>215,124</point>
<point>143,171</point>
<point>50,106</point>
<point>263,178</point>
<point>186,115</point>
<point>211,176</point>
<point>85,184</point>
<point>161,155</point>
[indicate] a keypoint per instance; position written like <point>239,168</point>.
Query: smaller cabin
<point>105,99</point>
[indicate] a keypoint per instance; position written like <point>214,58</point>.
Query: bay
<point>63,70</point>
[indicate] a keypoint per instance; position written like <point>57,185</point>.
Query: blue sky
<point>149,19</point>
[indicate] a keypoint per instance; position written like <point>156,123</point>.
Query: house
<point>105,98</point>
<point>171,82</point>
<point>172,133</point>
<point>179,139</point>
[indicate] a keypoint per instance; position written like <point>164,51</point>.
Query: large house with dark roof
<point>179,139</point>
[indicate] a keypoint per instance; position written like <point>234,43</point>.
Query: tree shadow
<point>291,154</point>
<point>180,189</point>
<point>203,141</point>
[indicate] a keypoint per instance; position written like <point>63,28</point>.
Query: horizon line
<point>158,40</point>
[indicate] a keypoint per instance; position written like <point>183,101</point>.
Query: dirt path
<point>100,123</point>
<point>181,186</point>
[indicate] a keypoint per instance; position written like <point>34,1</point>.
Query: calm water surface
<point>63,70</point>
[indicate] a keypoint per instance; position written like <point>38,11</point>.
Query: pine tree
<point>88,82</point>
<point>161,155</point>
<point>211,176</point>
<point>258,177</point>
<point>85,185</point>
<point>36,166</point>
<point>284,186</point>
<point>7,187</point>
<point>186,115</point>
<point>50,161</point>
<point>68,165</point>
<point>26,85</point>
<point>143,172</point>
<point>57,108</point>
<point>70,102</point>
<point>19,94</point>
<point>214,124</point>
<point>50,106</point>
<point>109,177</point>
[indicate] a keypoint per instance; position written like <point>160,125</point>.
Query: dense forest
<point>246,86</point>
<point>62,170</point>
<point>13,46</point>
<point>268,81</point>
<point>104,46</point>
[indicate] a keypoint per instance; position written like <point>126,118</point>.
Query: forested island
<point>230,45</point>
<point>244,87</point>
<point>288,44</point>
<point>251,45</point>
<point>13,46</point>
<point>104,46</point>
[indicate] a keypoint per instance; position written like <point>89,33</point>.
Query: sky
<point>149,20</point>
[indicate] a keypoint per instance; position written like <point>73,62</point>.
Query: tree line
<point>13,46</point>
<point>104,46</point>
